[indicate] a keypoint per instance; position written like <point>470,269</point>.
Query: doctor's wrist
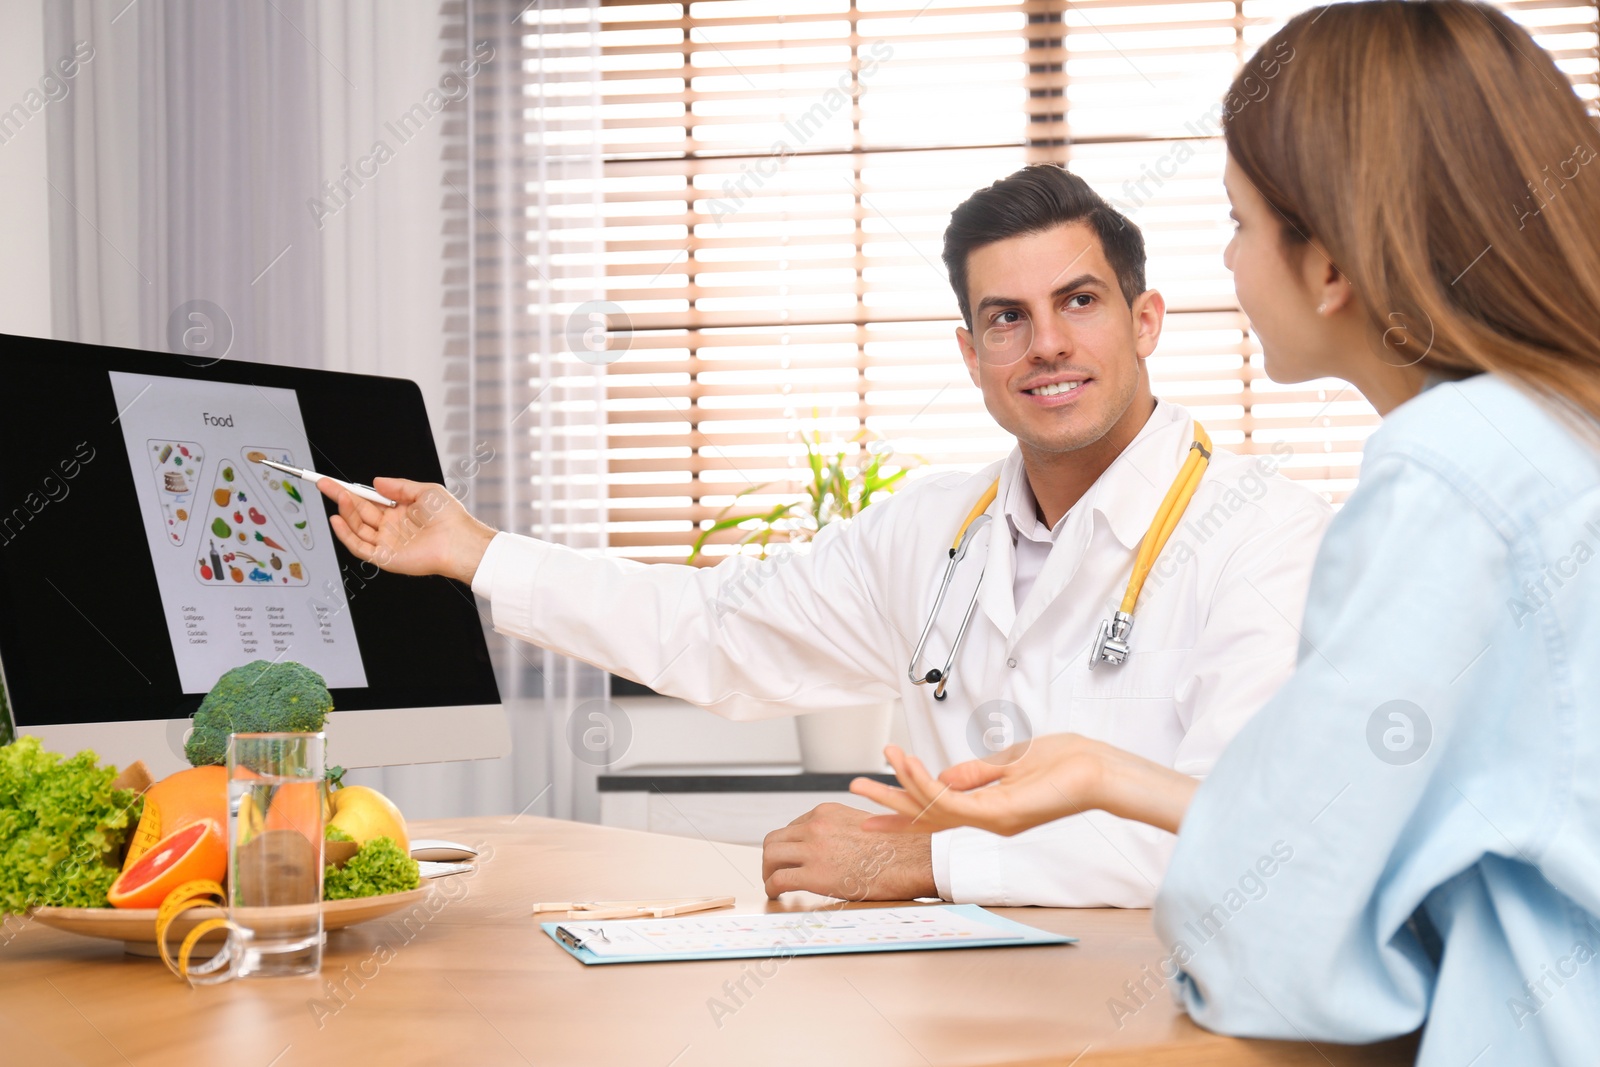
<point>470,544</point>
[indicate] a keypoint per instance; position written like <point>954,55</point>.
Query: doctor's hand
<point>1035,782</point>
<point>426,532</point>
<point>826,851</point>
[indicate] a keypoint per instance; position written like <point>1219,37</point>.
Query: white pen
<point>365,492</point>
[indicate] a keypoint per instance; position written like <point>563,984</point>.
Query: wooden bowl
<point>136,927</point>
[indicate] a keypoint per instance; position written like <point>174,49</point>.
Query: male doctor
<point>1058,325</point>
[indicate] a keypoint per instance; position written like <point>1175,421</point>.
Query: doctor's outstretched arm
<point>745,639</point>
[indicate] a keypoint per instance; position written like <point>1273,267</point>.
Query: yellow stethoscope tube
<point>1111,645</point>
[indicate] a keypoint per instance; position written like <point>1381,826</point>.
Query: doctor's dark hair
<point>1039,197</point>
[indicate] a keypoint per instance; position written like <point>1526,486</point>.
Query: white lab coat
<point>1215,635</point>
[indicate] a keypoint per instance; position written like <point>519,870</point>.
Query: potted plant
<point>839,488</point>
<point>844,480</point>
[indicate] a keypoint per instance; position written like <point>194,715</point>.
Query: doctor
<point>1058,326</point>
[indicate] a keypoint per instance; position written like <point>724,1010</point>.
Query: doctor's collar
<point>1129,490</point>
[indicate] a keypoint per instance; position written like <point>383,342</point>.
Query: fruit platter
<point>136,927</point>
<point>96,851</point>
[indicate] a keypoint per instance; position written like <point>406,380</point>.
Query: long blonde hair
<point>1451,173</point>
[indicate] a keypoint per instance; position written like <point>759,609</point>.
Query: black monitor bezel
<point>395,417</point>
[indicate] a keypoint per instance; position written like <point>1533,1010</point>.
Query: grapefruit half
<point>197,851</point>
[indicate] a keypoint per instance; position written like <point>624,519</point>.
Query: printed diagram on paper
<point>243,555</point>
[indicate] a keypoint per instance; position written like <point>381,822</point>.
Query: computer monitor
<point>143,552</point>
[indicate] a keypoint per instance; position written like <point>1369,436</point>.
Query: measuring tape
<point>200,893</point>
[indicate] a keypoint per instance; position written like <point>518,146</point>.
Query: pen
<point>633,909</point>
<point>365,492</point>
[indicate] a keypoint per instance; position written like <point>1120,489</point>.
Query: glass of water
<point>275,851</point>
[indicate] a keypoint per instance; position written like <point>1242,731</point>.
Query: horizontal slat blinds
<point>776,183</point>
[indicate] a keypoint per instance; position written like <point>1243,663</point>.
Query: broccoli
<point>260,697</point>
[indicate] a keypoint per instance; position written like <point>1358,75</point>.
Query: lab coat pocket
<point>1134,706</point>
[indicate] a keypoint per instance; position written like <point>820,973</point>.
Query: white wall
<point>24,194</point>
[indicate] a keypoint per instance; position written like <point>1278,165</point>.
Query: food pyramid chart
<point>283,493</point>
<point>241,542</point>
<point>176,466</point>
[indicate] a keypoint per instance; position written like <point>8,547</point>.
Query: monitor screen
<point>144,550</point>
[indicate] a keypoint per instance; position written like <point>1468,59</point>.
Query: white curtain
<point>526,391</point>
<point>219,189</point>
<point>177,169</point>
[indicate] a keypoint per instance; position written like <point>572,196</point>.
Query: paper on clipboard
<point>726,936</point>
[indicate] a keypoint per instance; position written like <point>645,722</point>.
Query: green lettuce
<point>62,828</point>
<point>378,867</point>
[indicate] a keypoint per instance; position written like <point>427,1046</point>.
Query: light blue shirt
<point>1409,830</point>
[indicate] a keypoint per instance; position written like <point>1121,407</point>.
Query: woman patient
<point>1408,834</point>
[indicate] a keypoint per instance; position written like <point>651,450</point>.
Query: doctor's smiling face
<point>1055,345</point>
<point>1050,279</point>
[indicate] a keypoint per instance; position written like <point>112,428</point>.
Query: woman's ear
<point>1329,288</point>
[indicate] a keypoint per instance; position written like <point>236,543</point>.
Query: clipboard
<point>830,931</point>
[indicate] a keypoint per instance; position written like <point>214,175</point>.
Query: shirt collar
<point>1126,495</point>
<point>1019,506</point>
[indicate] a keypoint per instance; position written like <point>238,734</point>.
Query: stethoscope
<point>1111,645</point>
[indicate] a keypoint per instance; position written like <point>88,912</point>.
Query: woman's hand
<point>426,532</point>
<point>1026,785</point>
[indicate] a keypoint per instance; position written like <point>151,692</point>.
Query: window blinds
<point>776,180</point>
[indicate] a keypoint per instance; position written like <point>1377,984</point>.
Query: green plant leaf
<point>766,518</point>
<point>844,479</point>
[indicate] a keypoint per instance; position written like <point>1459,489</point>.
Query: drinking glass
<point>275,850</point>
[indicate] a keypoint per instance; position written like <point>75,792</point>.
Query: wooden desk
<point>471,979</point>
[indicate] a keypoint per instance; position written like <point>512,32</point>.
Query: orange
<point>198,851</point>
<point>191,795</point>
<point>176,801</point>
<point>297,806</point>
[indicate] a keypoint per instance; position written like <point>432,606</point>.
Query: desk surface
<point>469,977</point>
<point>767,779</point>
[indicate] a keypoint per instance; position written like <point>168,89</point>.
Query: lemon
<point>365,814</point>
